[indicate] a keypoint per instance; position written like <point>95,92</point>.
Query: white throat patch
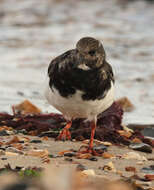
<point>83,67</point>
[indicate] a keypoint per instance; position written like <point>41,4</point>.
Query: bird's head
<point>90,52</point>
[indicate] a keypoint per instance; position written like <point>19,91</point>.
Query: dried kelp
<point>108,125</point>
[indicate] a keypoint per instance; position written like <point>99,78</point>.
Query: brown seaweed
<point>109,122</point>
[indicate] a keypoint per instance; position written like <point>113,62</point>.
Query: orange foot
<point>89,150</point>
<point>65,133</point>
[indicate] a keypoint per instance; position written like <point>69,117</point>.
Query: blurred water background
<point>32,32</point>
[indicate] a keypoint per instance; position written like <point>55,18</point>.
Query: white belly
<point>74,107</point>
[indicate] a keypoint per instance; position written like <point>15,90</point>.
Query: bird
<point>81,85</point>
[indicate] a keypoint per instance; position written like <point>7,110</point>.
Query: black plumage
<point>67,78</point>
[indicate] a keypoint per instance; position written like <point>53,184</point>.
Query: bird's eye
<point>91,52</point>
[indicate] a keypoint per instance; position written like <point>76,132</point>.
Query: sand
<point>57,146</point>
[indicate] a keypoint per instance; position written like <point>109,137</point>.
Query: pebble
<point>23,131</point>
<point>69,159</point>
<point>149,177</point>
<point>14,150</point>
<point>100,148</point>
<point>35,141</point>
<point>141,147</point>
<point>134,156</point>
<point>2,152</point>
<point>70,154</point>
<point>4,133</point>
<point>130,169</point>
<point>107,155</point>
<point>89,172</point>
<point>22,142</point>
<point>2,148</point>
<point>148,170</point>
<point>93,159</point>
<point>81,167</point>
<point>11,154</point>
<point>53,156</point>
<point>3,158</point>
<point>109,167</point>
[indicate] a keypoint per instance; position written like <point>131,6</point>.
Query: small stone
<point>107,155</point>
<point>93,159</point>
<point>53,156</point>
<point>11,154</point>
<point>141,147</point>
<point>3,158</point>
<point>140,163</point>
<point>109,167</point>
<point>149,177</point>
<point>134,156</point>
<point>70,154</point>
<point>4,133</point>
<point>81,167</point>
<point>2,152</point>
<point>83,156</point>
<point>69,159</point>
<point>130,169</point>
<point>22,142</point>
<point>2,148</point>
<point>151,159</point>
<point>23,131</point>
<point>35,141</point>
<point>38,153</point>
<point>148,170</point>
<point>89,172</point>
<point>14,150</point>
<point>100,148</point>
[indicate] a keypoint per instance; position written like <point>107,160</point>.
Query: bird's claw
<point>88,149</point>
<point>64,135</point>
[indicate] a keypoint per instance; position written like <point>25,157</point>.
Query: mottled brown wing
<point>109,70</point>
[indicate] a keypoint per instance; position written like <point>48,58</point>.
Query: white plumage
<point>75,107</point>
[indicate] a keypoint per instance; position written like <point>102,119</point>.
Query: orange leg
<point>93,128</point>
<point>90,149</point>
<point>65,134</point>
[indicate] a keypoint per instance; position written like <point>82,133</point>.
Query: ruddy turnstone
<point>81,84</point>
